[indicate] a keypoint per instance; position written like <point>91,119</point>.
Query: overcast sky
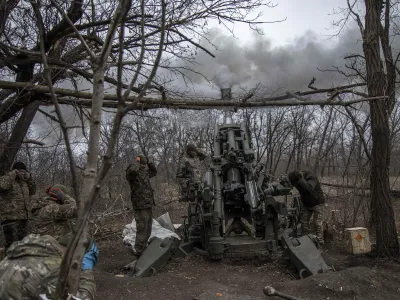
<point>301,16</point>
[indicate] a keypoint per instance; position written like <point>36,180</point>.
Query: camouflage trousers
<point>14,230</point>
<point>184,190</point>
<point>186,194</point>
<point>306,214</point>
<point>144,221</point>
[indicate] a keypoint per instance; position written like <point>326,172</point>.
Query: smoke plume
<point>284,68</point>
<point>223,77</point>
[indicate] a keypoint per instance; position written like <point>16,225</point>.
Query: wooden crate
<point>357,240</point>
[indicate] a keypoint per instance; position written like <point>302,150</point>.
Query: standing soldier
<point>189,170</point>
<point>16,188</point>
<point>55,214</point>
<point>142,197</point>
<point>263,178</point>
<point>313,201</point>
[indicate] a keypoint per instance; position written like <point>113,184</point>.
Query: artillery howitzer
<point>232,191</point>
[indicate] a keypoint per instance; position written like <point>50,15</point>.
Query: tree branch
<point>71,24</point>
<point>35,142</point>
<point>47,74</point>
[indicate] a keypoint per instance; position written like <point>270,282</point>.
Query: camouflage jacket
<point>190,168</point>
<point>310,190</point>
<point>138,176</point>
<point>51,218</point>
<point>15,194</point>
<point>29,270</point>
<point>265,181</point>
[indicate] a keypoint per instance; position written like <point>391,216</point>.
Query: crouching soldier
<point>138,175</point>
<point>55,214</point>
<point>31,269</point>
<point>313,200</point>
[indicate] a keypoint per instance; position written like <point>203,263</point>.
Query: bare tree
<point>128,41</point>
<point>380,81</point>
<point>377,68</point>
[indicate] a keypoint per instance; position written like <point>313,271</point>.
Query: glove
<point>55,194</point>
<point>13,174</point>
<point>294,177</point>
<point>90,258</point>
<point>23,175</point>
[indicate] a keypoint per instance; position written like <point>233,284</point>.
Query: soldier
<point>313,201</point>
<point>16,188</point>
<point>55,214</point>
<point>142,197</point>
<point>31,268</point>
<point>262,177</point>
<point>189,169</point>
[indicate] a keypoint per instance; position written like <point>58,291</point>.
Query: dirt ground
<point>184,278</point>
<point>356,277</point>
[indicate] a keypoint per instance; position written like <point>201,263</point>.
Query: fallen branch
<point>151,103</point>
<point>72,97</point>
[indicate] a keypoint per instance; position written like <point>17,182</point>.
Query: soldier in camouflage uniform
<point>142,197</point>
<point>313,201</point>
<point>189,169</point>
<point>16,189</point>
<point>31,269</point>
<point>263,176</point>
<point>55,214</point>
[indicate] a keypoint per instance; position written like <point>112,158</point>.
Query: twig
<point>47,74</point>
<point>29,141</point>
<point>156,62</point>
<point>71,24</point>
<point>296,96</point>
<point>48,115</point>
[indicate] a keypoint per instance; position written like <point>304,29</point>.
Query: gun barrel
<point>226,95</point>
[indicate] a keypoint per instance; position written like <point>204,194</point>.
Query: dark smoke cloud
<point>290,67</point>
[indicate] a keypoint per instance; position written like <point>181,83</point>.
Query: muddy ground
<point>356,277</point>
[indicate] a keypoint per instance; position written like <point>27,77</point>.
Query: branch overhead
<point>79,98</point>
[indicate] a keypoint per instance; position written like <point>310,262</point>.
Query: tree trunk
<point>17,136</point>
<point>377,82</point>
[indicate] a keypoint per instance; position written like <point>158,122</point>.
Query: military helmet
<point>18,165</point>
<point>191,147</point>
<point>142,159</point>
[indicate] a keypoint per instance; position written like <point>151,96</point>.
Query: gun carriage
<point>233,194</point>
